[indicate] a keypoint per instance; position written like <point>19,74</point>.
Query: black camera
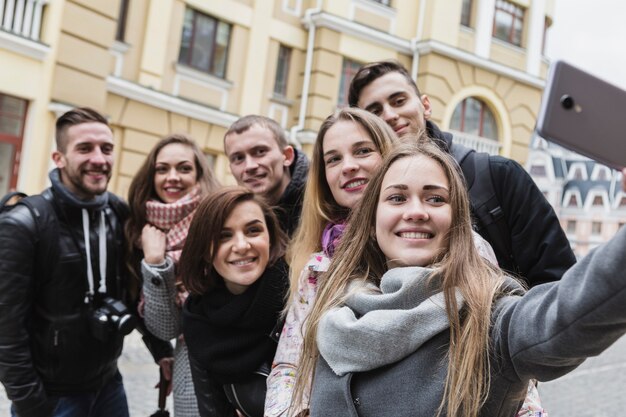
<point>112,318</point>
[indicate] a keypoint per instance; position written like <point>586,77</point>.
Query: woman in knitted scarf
<point>233,266</point>
<point>411,321</point>
<point>163,199</point>
<point>348,151</point>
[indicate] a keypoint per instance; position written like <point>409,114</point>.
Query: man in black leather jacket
<point>539,249</point>
<point>55,355</point>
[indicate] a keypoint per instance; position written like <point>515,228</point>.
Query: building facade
<point>194,66</point>
<point>586,195</point>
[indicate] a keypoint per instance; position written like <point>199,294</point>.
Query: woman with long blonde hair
<point>411,321</point>
<point>348,151</point>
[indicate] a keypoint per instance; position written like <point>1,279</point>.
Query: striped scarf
<point>174,219</point>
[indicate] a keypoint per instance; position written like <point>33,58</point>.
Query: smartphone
<point>584,114</point>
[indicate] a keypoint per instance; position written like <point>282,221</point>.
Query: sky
<point>591,34</point>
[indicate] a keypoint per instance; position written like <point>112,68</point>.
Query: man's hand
<point>153,243</point>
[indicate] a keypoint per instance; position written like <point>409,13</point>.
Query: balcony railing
<point>481,144</point>
<point>22,17</point>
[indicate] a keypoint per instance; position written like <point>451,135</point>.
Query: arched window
<point>473,116</point>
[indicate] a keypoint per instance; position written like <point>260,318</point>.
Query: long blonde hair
<point>459,266</point>
<point>318,206</point>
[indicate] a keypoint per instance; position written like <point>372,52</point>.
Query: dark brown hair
<point>372,71</point>
<point>75,117</point>
<point>203,238</point>
<point>142,189</point>
<point>246,122</point>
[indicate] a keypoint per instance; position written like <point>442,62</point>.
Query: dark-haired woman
<point>163,198</point>
<point>232,265</point>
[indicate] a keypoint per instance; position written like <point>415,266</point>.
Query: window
<point>12,120</point>
<point>622,202</point>
<point>508,22</point>
<point>597,201</point>
<point>120,33</point>
<point>571,227</point>
<point>573,201</point>
<point>204,44</point>
<point>282,71</point>
<point>466,13</point>
<point>596,228</point>
<point>348,70</point>
<point>474,117</point>
<point>538,170</point>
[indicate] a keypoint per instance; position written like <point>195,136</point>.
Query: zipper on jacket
<point>56,338</point>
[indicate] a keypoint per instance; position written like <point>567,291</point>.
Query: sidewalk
<point>140,376</point>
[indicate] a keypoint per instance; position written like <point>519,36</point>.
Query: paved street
<point>596,389</point>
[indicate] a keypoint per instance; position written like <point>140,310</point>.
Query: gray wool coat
<point>543,335</point>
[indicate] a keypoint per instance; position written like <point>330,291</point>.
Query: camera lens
<point>567,102</point>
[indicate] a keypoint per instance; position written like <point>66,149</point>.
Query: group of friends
<point>356,283</point>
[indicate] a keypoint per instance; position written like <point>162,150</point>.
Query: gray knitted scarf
<point>380,326</point>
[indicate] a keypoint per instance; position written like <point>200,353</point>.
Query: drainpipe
<point>416,39</point>
<point>307,20</point>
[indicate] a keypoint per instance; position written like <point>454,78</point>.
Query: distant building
<point>161,66</point>
<point>587,196</point>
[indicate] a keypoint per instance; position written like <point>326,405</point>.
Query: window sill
<point>202,77</point>
<point>277,98</point>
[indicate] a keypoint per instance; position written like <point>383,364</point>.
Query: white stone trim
<point>577,166</point>
<point>274,108</point>
<point>568,194</point>
<point>485,12</point>
<point>203,79</point>
<point>429,46</point>
<point>595,172</point>
<point>23,46</point>
<point>306,136</point>
<point>597,192</point>
<point>535,37</point>
<point>360,31</point>
<point>376,8</point>
<point>401,45</point>
<point>167,102</point>
<point>118,50</point>
<point>297,11</point>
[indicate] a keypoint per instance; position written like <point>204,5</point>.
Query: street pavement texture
<point>596,389</point>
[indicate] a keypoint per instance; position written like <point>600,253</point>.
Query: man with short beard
<point>63,292</point>
<point>262,161</point>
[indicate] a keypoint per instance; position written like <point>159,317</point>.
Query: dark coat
<point>46,344</point>
<point>540,248</point>
<point>289,206</point>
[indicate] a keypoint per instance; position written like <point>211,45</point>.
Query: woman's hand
<point>153,243</point>
<point>624,179</point>
<point>166,366</point>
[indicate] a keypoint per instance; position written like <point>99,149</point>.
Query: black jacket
<point>539,245</point>
<point>290,204</point>
<point>46,344</point>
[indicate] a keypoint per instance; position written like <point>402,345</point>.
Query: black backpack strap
<point>489,213</point>
<point>486,208</point>
<point>44,214</point>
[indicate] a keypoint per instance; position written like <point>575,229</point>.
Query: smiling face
<point>88,159</point>
<point>244,248</point>
<point>350,160</point>
<point>413,214</point>
<point>175,172</point>
<point>393,99</point>
<point>258,163</point>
